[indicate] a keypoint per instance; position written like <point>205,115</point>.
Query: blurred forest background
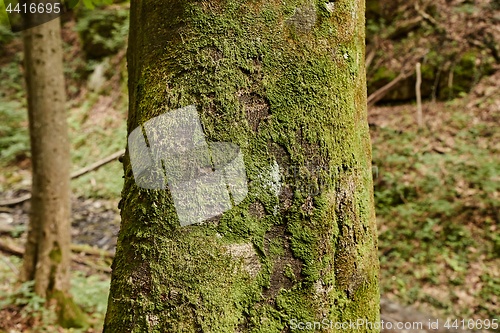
<point>437,186</point>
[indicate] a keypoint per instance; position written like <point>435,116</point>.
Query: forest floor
<point>437,195</point>
<point>437,198</point>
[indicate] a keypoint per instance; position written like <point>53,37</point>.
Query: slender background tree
<point>47,254</point>
<point>285,81</point>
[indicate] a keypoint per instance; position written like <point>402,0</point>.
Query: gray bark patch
<point>304,18</point>
<point>247,253</point>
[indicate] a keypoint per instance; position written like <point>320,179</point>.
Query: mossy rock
<point>373,9</point>
<point>104,32</point>
<point>466,72</point>
<point>435,70</point>
<point>379,9</point>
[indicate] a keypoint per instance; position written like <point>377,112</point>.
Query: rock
<point>97,79</point>
<point>104,32</point>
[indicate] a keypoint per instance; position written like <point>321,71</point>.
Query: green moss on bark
<point>286,83</point>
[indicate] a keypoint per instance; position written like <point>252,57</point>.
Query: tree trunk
<point>46,258</point>
<point>284,81</point>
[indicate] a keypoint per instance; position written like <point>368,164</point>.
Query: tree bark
<point>285,81</point>
<point>47,255</point>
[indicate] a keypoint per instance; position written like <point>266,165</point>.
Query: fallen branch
<point>15,201</point>
<point>6,229</point>
<point>86,249</point>
<point>11,249</point>
<point>483,99</point>
<point>19,252</point>
<point>76,248</point>
<point>381,92</point>
<point>91,264</point>
<point>405,27</point>
<point>79,173</point>
<point>97,164</point>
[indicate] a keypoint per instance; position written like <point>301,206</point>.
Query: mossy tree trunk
<point>285,81</point>
<point>47,254</point>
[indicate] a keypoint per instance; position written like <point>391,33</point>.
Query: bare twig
<point>369,58</point>
<point>12,267</point>
<point>381,92</point>
<point>450,82</point>
<point>420,120</point>
<point>74,175</point>
<point>429,18</point>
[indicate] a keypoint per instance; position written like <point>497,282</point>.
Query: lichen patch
<point>247,253</point>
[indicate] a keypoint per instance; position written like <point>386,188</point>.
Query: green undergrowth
<point>90,142</point>
<point>93,137</point>
<point>437,200</point>
<point>90,293</point>
<point>96,122</point>
<point>14,137</point>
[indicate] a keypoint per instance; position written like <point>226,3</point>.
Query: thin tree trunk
<point>285,81</point>
<point>47,255</point>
